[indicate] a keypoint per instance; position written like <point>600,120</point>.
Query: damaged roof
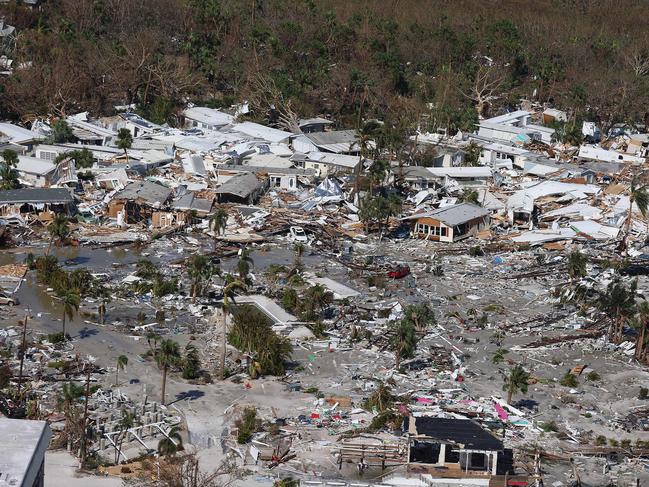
<point>335,141</point>
<point>150,193</point>
<point>241,185</point>
<point>453,215</point>
<point>36,196</point>
<point>464,432</point>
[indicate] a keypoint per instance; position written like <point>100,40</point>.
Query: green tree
<point>229,291</point>
<point>58,229</point>
<point>313,303</point>
<point>618,303</point>
<point>403,340</point>
<point>120,364</point>
<point>469,195</point>
<point>244,263</point>
<point>252,333</point>
<point>171,443</point>
<point>191,362</point>
<point>200,270</point>
<point>168,356</point>
<point>472,155</point>
<point>124,141</point>
<point>378,172</point>
<point>639,322</point>
<point>365,142</point>
<point>83,158</point>
<point>421,315</point>
<point>219,221</point>
<point>8,173</point>
<point>70,302</point>
<point>61,132</point>
<point>576,264</point>
<point>127,422</point>
<point>515,382</point>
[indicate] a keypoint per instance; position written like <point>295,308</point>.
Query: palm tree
<point>244,263</point>
<point>364,139</point>
<point>218,222</point>
<point>576,264</point>
<point>404,340</point>
<point>640,323</point>
<point>127,422</point>
<point>199,270</point>
<point>378,171</point>
<point>228,300</point>
<point>122,362</point>
<point>70,301</point>
<point>171,443</point>
<point>59,229</point>
<point>168,356</point>
<point>469,196</point>
<point>516,381</point>
<point>124,141</point>
<point>619,304</point>
<point>640,196</point>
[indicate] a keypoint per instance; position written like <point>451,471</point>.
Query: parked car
<point>297,234</point>
<point>399,272</point>
<point>7,299</point>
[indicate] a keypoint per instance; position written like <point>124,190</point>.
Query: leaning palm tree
<point>228,299</point>
<point>640,196</point>
<point>122,362</point>
<point>58,229</point>
<point>576,265</point>
<point>365,143</point>
<point>168,355</point>
<point>469,195</point>
<point>70,301</point>
<point>515,382</point>
<point>171,443</point>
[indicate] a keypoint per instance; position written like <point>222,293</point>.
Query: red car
<point>399,272</point>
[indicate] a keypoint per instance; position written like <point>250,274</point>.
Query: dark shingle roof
<point>36,195</point>
<point>463,432</point>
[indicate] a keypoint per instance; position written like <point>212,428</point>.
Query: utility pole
<point>84,433</point>
<point>22,353</point>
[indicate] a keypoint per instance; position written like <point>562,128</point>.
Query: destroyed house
<point>450,223</point>
<point>279,177</point>
<point>34,171</point>
<point>337,142</point>
<point>31,200</point>
<point>138,200</point>
<point>241,188</point>
<point>456,447</point>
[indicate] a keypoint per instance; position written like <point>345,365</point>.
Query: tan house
<point>450,223</point>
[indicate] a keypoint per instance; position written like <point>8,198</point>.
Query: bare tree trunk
<point>164,384</point>
<point>224,344</point>
<point>510,395</point>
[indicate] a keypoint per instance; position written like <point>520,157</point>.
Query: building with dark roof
<point>456,446</point>
<point>243,187</point>
<point>28,200</point>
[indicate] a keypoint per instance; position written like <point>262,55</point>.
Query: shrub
<point>549,426</point>
<point>476,251</point>
<point>247,424</point>
<point>569,380</point>
<point>600,440</point>
<point>593,376</point>
<point>643,394</point>
<point>613,442</point>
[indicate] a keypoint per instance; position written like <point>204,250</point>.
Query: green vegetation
<point>403,340</point>
<point>569,380</point>
<point>593,376</point>
<point>247,424</point>
<point>251,333</point>
<point>8,173</point>
<point>191,362</point>
<point>643,394</point>
<point>515,382</point>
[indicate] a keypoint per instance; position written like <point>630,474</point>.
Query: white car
<point>297,234</point>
